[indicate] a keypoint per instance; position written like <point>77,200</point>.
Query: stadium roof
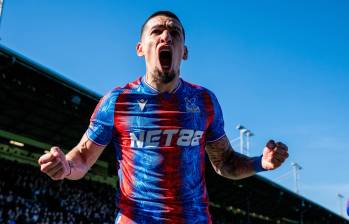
<point>42,108</point>
<point>40,104</point>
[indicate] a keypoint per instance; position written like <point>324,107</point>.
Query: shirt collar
<point>151,89</point>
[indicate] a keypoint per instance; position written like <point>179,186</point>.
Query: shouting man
<point>160,126</point>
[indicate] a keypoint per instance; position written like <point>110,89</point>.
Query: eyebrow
<point>173,27</point>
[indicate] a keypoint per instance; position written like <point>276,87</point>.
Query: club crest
<point>190,105</point>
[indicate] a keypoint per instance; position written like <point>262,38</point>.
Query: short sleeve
<point>215,130</point>
<point>101,126</point>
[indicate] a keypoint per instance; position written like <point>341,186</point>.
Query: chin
<point>164,77</point>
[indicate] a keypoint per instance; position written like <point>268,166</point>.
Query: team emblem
<point>190,105</point>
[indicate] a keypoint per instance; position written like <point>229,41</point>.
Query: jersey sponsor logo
<point>141,104</point>
<point>152,138</point>
<point>190,105</point>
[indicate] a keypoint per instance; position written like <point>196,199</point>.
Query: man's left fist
<point>274,154</point>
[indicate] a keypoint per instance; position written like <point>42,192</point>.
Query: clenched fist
<point>274,154</point>
<point>54,164</point>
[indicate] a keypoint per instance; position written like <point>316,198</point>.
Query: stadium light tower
<point>340,199</point>
<point>249,134</point>
<point>296,169</point>
<point>242,130</point>
<point>1,11</point>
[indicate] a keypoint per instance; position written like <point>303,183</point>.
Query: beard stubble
<point>163,77</point>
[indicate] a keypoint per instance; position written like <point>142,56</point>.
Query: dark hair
<point>163,13</point>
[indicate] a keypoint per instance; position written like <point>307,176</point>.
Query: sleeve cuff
<point>257,164</point>
<point>216,139</point>
<point>92,140</point>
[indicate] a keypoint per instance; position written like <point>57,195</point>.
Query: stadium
<point>40,108</point>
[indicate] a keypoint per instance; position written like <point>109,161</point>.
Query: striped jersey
<point>159,140</point>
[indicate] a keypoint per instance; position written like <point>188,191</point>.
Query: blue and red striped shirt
<point>159,140</point>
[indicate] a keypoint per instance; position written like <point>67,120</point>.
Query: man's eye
<point>174,33</point>
<point>156,32</point>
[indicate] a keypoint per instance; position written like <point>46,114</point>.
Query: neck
<point>160,86</point>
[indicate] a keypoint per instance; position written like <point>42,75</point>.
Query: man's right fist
<point>54,164</point>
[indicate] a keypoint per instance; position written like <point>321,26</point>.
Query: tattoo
<point>83,146</point>
<point>82,149</point>
<point>70,164</point>
<point>227,162</point>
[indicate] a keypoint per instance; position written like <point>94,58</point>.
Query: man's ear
<point>139,49</point>
<point>185,54</point>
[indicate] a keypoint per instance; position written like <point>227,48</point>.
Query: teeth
<point>165,50</point>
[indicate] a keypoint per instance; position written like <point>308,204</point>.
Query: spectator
<point>26,196</point>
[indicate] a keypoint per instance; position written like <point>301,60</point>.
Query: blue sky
<point>281,68</point>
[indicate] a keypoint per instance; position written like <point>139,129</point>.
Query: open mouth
<point>165,57</point>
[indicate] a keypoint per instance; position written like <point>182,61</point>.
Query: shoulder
<point>194,89</point>
<point>113,94</point>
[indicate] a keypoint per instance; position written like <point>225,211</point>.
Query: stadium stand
<point>27,196</point>
<point>40,108</point>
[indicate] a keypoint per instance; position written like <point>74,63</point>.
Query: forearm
<point>74,165</point>
<point>236,166</point>
<point>82,157</point>
<point>77,164</point>
<point>229,163</point>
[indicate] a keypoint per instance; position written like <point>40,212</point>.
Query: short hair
<point>163,13</point>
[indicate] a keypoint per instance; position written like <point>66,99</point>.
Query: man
<point>160,126</point>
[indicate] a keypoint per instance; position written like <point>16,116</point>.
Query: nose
<point>166,37</point>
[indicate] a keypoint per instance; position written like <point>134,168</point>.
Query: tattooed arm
<point>230,164</point>
<point>75,164</point>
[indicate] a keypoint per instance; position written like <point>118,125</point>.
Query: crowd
<point>29,196</point>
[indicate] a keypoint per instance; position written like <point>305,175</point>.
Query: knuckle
<point>56,161</point>
<point>44,169</point>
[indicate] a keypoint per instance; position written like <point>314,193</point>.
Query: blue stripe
<point>191,164</point>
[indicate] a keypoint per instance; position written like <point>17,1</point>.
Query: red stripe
<point>124,219</point>
<point>171,157</point>
<point>121,123</point>
<point>101,101</point>
<point>133,84</point>
<point>122,128</point>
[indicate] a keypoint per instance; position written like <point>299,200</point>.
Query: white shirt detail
<point>141,104</point>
